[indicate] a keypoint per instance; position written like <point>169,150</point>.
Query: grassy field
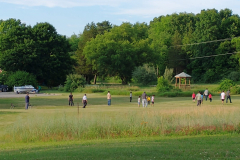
<point>172,128</point>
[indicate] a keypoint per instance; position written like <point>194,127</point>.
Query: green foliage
<point>38,50</point>
<point>168,74</point>
<point>21,78</point>
<point>145,75</point>
<point>118,52</point>
<point>226,84</point>
<point>3,77</point>
<point>163,85</point>
<point>74,81</point>
<point>234,76</point>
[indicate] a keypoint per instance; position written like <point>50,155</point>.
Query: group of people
<point>71,103</point>
<point>200,95</point>
<point>145,99</point>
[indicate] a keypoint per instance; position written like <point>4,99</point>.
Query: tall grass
<point>67,126</point>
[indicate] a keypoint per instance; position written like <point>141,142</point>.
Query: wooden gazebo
<point>182,76</point>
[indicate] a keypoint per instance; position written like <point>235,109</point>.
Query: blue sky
<point>70,16</point>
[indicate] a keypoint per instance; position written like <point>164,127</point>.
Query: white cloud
<point>143,8</point>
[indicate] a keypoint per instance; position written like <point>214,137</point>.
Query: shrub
<point>21,78</point>
<point>163,85</point>
<point>234,76</point>
<point>228,84</point>
<point>168,74</point>
<point>74,81</point>
<point>145,75</point>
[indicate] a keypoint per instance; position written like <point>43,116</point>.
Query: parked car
<point>3,88</point>
<point>24,89</point>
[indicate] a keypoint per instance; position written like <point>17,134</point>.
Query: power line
<point>219,40</point>
<point>215,55</point>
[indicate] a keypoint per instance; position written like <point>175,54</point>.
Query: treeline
<point>185,42</point>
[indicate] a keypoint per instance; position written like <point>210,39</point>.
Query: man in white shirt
<point>222,96</point>
<point>206,94</point>
<point>84,101</point>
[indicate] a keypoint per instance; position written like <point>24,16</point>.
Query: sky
<point>71,16</point>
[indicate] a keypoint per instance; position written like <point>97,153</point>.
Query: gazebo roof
<point>182,75</point>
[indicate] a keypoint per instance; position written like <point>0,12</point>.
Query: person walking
<point>198,97</point>
<point>206,94</point>
<point>228,96</point>
<point>70,99</point>
<point>148,100</point>
<point>109,98</point>
<point>193,97</point>
<point>144,99</point>
<point>130,96</point>
<point>139,101</point>
<point>27,98</point>
<point>210,97</point>
<point>84,101</point>
<point>153,100</point>
<point>222,96</point>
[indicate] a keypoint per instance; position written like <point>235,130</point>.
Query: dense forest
<point>204,45</point>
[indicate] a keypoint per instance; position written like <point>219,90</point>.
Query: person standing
<point>144,99</point>
<point>193,96</point>
<point>228,96</point>
<point>198,97</point>
<point>206,94</point>
<point>84,101</point>
<point>210,97</point>
<point>27,101</point>
<point>153,100</point>
<point>222,96</point>
<point>130,96</point>
<point>109,98</point>
<point>70,99</point>
<point>139,101</point>
<point>201,98</point>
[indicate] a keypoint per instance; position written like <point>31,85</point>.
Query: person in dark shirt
<point>228,96</point>
<point>70,99</point>
<point>27,101</point>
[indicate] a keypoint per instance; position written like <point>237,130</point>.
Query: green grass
<point>174,128</point>
<point>196,147</point>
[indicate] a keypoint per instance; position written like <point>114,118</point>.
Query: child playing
<point>201,98</point>
<point>148,100</point>
<point>139,100</point>
<point>152,100</point>
<point>193,97</point>
<point>210,97</point>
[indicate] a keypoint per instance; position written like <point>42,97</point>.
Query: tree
<point>38,50</point>
<point>118,52</point>
<point>54,61</point>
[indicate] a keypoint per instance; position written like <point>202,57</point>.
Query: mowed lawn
<point>170,112</point>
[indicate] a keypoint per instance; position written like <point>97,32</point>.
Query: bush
<point>234,76</point>
<point>21,78</point>
<point>145,75</point>
<point>163,85</point>
<point>228,84</point>
<point>74,81</point>
<point>168,74</point>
